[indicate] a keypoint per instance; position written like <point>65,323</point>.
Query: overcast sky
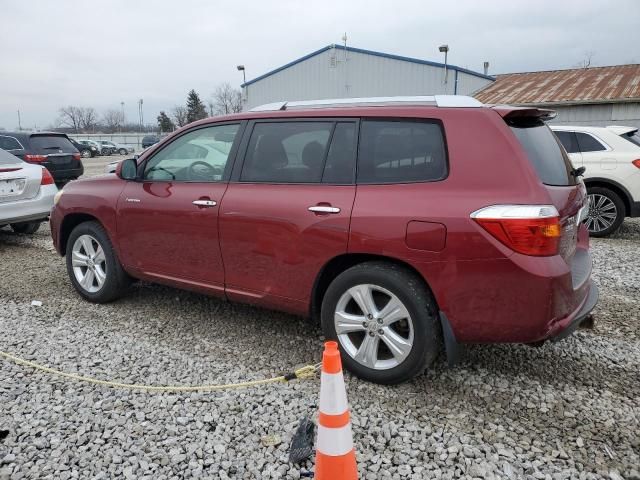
<point>100,53</point>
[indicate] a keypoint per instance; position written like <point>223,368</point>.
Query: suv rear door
<point>286,212</point>
<point>62,159</point>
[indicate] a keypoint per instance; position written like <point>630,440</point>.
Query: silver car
<point>26,193</point>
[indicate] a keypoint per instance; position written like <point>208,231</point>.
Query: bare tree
<point>112,120</point>
<point>226,99</point>
<point>88,118</point>
<point>587,60</point>
<point>70,117</point>
<point>179,114</point>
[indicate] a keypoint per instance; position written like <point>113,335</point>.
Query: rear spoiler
<point>620,130</point>
<point>509,112</point>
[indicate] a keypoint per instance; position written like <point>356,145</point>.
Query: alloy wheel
<point>89,263</point>
<point>374,327</point>
<point>602,213</point>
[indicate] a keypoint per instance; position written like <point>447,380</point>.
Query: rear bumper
<point>572,323</point>
<point>30,210</point>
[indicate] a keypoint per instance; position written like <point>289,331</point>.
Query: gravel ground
<point>565,410</point>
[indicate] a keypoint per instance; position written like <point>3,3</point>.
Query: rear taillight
<point>527,229</point>
<point>636,163</point>
<point>76,156</point>
<point>47,179</point>
<point>35,158</point>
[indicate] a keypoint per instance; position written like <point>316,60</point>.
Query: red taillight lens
<point>47,179</point>
<point>76,156</point>
<point>527,229</point>
<point>35,158</point>
<point>636,163</point>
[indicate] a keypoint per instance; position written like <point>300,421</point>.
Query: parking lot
<point>564,410</point>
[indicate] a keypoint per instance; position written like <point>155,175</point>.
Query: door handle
<point>324,209</point>
<point>204,203</point>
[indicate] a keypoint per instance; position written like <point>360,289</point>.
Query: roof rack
<point>427,100</point>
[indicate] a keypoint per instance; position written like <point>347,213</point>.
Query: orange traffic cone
<point>335,456</point>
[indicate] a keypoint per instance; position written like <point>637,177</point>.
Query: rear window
<point>401,152</point>
<point>544,151</point>
<point>51,144</point>
<point>7,159</point>
<point>633,137</point>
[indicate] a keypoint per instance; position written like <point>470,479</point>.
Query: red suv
<point>402,223</point>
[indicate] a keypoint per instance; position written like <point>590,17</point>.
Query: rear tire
<point>86,241</point>
<point>27,228</point>
<point>410,325</point>
<point>85,153</point>
<point>606,212</point>
<point>122,151</point>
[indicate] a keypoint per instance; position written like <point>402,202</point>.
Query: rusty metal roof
<point>618,83</point>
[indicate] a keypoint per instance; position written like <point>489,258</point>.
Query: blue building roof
<point>368,52</point>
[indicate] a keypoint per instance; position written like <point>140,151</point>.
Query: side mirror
<point>127,169</point>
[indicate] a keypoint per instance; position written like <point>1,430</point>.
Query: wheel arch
<point>614,186</point>
<point>340,263</point>
<point>71,221</point>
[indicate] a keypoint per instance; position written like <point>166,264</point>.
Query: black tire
<point>122,151</point>
<point>85,153</point>
<point>411,290</point>
<point>28,228</point>
<point>117,280</point>
<point>593,225</point>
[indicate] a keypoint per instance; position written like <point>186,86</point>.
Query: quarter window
<point>401,151</point>
<point>589,144</point>
<point>9,143</point>
<point>198,156</point>
<point>286,152</point>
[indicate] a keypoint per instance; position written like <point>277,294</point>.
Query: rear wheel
<point>606,212</point>
<point>122,151</point>
<point>85,153</point>
<point>384,320</point>
<point>93,266</point>
<point>27,228</point>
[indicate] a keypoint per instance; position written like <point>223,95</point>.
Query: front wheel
<point>606,212</point>
<point>384,320</point>
<point>28,228</point>
<point>122,151</point>
<point>93,266</point>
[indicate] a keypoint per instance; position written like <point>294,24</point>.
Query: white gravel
<point>565,410</point>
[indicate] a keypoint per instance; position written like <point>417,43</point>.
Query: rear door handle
<point>204,203</point>
<point>323,209</point>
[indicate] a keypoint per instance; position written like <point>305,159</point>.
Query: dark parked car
<point>149,140</point>
<point>86,151</point>
<point>405,225</point>
<point>54,151</point>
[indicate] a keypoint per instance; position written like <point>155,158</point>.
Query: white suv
<point>611,157</point>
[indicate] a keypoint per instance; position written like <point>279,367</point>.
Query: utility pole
<point>19,122</point>
<point>121,116</point>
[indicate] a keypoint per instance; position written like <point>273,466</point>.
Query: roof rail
<point>426,100</point>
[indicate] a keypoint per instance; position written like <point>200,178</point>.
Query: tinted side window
<point>338,168</point>
<point>9,143</point>
<point>286,152</point>
<point>569,142</point>
<point>197,156</point>
<point>589,144</point>
<point>401,151</point>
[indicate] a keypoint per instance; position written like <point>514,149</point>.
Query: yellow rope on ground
<point>307,371</point>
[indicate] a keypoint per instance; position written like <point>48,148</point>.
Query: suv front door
<point>168,219</point>
<point>287,210</point>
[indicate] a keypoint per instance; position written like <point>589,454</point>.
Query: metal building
<point>597,96</point>
<point>337,71</point>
